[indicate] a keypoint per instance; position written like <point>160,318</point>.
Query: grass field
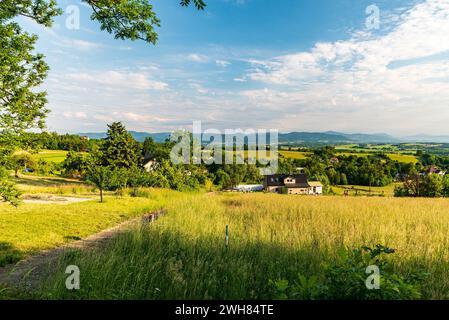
<point>56,156</point>
<point>183,255</point>
<point>405,158</point>
<point>294,154</point>
<point>34,227</point>
<point>387,191</point>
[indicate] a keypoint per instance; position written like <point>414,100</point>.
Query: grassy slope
<point>271,236</point>
<point>56,156</point>
<point>33,227</point>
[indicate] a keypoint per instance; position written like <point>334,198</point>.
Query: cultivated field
<point>272,237</point>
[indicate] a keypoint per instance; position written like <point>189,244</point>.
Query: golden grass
<point>417,228</point>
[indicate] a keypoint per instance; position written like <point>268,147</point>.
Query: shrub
<point>346,279</point>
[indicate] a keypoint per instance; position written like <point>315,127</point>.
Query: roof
<point>277,180</point>
<point>315,184</point>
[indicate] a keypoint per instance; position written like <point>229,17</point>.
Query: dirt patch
<point>51,199</point>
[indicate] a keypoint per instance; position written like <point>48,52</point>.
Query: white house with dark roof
<point>292,184</point>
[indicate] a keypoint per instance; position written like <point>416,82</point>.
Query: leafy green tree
<point>343,179</point>
<point>120,150</point>
<point>8,191</point>
<point>154,150</point>
<point>75,164</point>
<point>104,178</point>
<point>445,184</point>
<point>432,186</point>
<point>22,161</point>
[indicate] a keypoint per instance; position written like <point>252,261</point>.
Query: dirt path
<point>39,199</point>
<point>29,272</point>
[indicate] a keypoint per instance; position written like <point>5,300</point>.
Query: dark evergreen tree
<point>120,150</point>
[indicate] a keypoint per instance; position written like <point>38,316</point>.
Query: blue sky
<point>289,65</point>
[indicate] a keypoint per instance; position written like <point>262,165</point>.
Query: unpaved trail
<point>51,199</point>
<point>28,273</point>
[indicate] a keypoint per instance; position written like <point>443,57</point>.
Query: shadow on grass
<point>9,254</point>
<point>164,265</point>
<point>45,181</point>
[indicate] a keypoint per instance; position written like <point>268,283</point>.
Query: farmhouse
<point>292,184</point>
<point>149,164</point>
<point>435,170</point>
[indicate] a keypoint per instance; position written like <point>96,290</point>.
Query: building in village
<point>292,184</point>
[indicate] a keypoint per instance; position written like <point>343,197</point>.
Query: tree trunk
<point>101,195</point>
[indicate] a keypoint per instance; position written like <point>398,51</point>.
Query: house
<point>149,164</point>
<point>292,184</point>
<point>435,170</point>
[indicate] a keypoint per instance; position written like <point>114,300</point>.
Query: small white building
<point>315,187</point>
<point>149,165</point>
<point>248,188</point>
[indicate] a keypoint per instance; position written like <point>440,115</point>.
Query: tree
<point>74,164</point>
<point>120,150</point>
<point>433,186</point>
<point>22,161</point>
<point>104,178</point>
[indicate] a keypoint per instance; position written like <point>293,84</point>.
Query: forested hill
<point>329,137</point>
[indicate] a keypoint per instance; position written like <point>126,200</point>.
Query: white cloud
<point>119,79</point>
<point>356,77</point>
<point>198,58</point>
<point>222,63</point>
<point>74,115</point>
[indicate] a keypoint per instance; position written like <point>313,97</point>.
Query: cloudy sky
<point>310,65</point>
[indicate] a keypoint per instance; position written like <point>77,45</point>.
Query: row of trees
<point>419,185</point>
<point>372,170</point>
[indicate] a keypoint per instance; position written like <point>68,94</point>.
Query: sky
<point>291,65</point>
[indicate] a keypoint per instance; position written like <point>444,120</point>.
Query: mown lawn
<point>183,255</point>
<point>33,227</point>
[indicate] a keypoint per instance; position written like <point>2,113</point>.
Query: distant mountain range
<point>328,137</point>
<point>139,136</point>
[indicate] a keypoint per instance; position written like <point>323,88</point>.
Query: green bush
<point>346,279</point>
